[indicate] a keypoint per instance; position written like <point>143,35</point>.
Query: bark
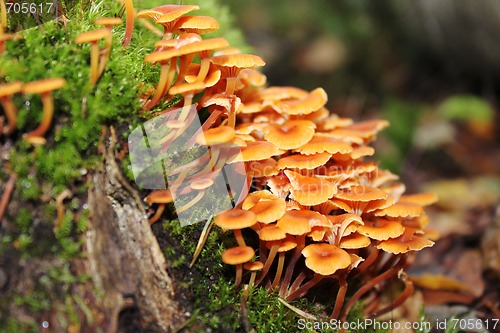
<point>124,259</point>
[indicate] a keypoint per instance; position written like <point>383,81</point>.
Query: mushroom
<point>299,161</point>
<point>129,24</point>
<point>310,191</point>
<point>285,245</point>
<point>45,88</point>
<point>108,23</point>
<point>171,14</point>
<point>267,234</point>
<point>381,229</point>
<point>231,65</point>
<point>323,143</point>
<point>6,93</point>
<point>293,134</point>
<point>161,197</point>
<point>199,185</point>
<point>93,37</point>
<point>236,219</point>
<point>256,151</point>
<point>238,256</point>
<point>324,260</point>
<point>313,102</point>
<point>408,241</point>
<point>253,267</point>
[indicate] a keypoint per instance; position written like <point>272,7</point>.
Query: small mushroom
<point>93,37</point>
<point>161,197</point>
<point>238,256</point>
<point>6,93</point>
<point>236,219</point>
<point>199,185</point>
<point>291,135</point>
<point>253,267</point>
<point>129,24</point>
<point>44,88</point>
<point>108,23</point>
<point>267,234</point>
<point>299,161</point>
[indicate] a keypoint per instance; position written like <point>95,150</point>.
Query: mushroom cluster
<point>321,213</point>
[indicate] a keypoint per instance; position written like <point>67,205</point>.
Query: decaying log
<point>124,259</point>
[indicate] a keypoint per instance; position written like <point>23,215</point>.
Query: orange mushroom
<point>236,219</point>
<point>6,92</point>
<point>291,135</point>
<point>238,256</point>
<point>45,88</point>
<point>93,37</point>
<point>161,197</point>
<point>129,24</point>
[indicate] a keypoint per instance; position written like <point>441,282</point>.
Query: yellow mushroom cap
<point>253,266</point>
<point>313,102</point>
<point>235,219</point>
<point>186,88</point>
<point>381,229</point>
<point>271,233</point>
<point>325,259</point>
<point>201,184</point>
<point>109,21</point>
<point>256,151</point>
<point>354,241</point>
<point>217,135</point>
<point>285,244</point>
<point>303,161</point>
<point>291,135</point>
<point>408,241</point>
<point>268,211</point>
<point>324,143</point>
<point>196,24</point>
<point>238,255</point>
<point>43,86</point>
<point>230,65</point>
<point>253,198</point>
<point>310,191</point>
<point>173,12</point>
<point>10,88</point>
<point>92,36</point>
<point>361,193</point>
<point>300,222</point>
<point>159,197</point>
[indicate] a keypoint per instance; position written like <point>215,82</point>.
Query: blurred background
<point>432,68</point>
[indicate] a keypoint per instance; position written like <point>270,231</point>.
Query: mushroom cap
<point>238,255</point>
<point>281,93</point>
<point>108,21</point>
<point>381,229</point>
<point>300,222</point>
<point>203,46</point>
<point>310,191</point>
<point>159,197</point>
<point>268,211</point>
<point>299,161</point>
<point>231,64</point>
<point>172,12</point>
<point>285,244</point>
<point>196,24</point>
<point>252,77</point>
<point>291,135</point>
<point>201,184</point>
<point>263,168</point>
<point>186,88</point>
<point>10,88</point>
<point>403,244</point>
<point>361,193</point>
<point>228,51</point>
<point>401,209</point>
<point>253,198</point>
<point>271,233</point>
<point>214,136</point>
<point>325,259</point>
<point>235,219</point>
<point>323,143</point>
<point>362,151</point>
<point>354,241</point>
<point>253,266</point>
<point>313,102</point>
<point>256,151</point>
<point>92,36</point>
<point>43,86</point>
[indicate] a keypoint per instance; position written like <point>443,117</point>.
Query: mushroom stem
<point>190,204</point>
<point>239,237</point>
<point>167,74</point>
<point>368,261</point>
<point>301,242</point>
<point>129,25</point>
<point>48,113</point>
<point>60,207</point>
<point>408,290</point>
<point>298,281</point>
<point>305,288</point>
<point>159,212</point>
<point>204,67</point>
<point>230,85</point>
<point>239,271</point>
<point>279,271</point>
<point>94,63</point>
<point>370,284</point>
<point>10,111</point>
<point>269,262</point>
<point>4,201</point>
<point>339,301</point>
<point>105,56</point>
